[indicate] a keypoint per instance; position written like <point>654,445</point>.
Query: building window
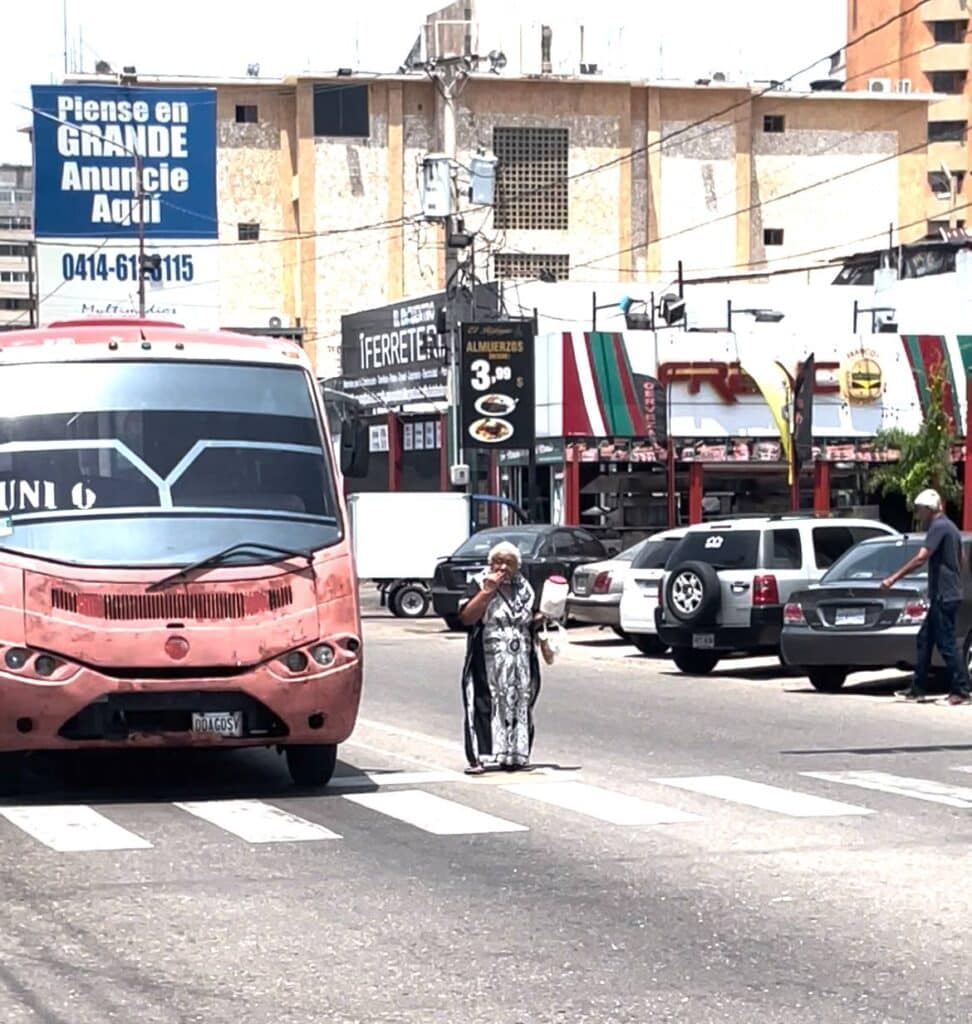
<point>246,113</point>
<point>341,110</point>
<point>946,131</point>
<point>15,276</point>
<point>15,223</point>
<point>950,82</point>
<point>13,304</point>
<point>248,232</point>
<point>508,266</point>
<point>774,123</point>
<point>949,31</point>
<point>945,185</point>
<point>15,250</point>
<point>531,191</point>
<point>772,236</point>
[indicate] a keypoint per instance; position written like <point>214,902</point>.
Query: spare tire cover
<point>693,592</point>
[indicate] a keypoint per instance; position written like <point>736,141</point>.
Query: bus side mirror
<point>355,450</point>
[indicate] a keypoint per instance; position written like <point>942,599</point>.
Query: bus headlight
<point>296,661</point>
<point>323,654</point>
<point>16,658</point>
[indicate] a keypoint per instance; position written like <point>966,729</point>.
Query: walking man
<point>942,550</point>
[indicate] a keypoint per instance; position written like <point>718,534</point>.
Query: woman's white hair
<point>506,550</point>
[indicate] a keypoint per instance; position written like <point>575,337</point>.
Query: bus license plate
<point>703,641</point>
<point>218,723</point>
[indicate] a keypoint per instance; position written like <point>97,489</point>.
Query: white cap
<point>929,499</point>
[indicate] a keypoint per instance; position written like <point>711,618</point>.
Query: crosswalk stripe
<point>257,822</point>
<point>71,828</point>
<point>900,785</point>
<point>767,798</point>
<point>615,808</point>
<point>433,813</point>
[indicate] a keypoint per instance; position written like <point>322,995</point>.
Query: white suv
<point>726,583</point>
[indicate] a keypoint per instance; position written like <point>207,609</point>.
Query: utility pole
<point>450,75</point>
<point>140,227</point>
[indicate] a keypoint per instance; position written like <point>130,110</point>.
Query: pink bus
<point>174,562</point>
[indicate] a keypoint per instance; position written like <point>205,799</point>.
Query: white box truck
<point>398,538</point>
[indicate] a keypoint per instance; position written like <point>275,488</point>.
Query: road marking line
<point>72,828</point>
<point>381,779</point>
<point>615,808</point>
<point>900,785</point>
<point>767,798</point>
<point>433,813</point>
<point>257,822</point>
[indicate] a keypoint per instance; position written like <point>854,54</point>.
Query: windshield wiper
<point>219,556</point>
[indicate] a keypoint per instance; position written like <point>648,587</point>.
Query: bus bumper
<point>94,709</point>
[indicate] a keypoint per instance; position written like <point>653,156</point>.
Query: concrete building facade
<point>599,180</point>
<point>924,48</point>
<point>16,238</point>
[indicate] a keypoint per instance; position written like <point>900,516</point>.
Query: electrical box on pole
<point>483,174</point>
<point>438,197</point>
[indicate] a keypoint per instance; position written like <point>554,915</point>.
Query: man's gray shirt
<point>944,544</point>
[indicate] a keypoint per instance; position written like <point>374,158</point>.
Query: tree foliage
<point>925,457</point>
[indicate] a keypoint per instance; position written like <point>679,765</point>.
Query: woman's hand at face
<point>492,580</point>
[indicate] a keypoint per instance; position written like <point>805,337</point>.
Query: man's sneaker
<point>913,695</point>
<point>955,699</point>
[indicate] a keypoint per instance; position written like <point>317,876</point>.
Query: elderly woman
<point>501,674</point>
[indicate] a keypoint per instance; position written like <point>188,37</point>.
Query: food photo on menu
<point>492,431</point>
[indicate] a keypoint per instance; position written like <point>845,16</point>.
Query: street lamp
<point>761,316</point>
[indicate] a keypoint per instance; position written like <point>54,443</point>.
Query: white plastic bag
<point>553,598</point>
<point>553,641</point>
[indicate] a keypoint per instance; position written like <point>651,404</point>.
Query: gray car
<point>595,589</point>
<point>847,623</point>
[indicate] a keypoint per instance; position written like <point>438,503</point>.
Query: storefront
<point>667,427</point>
<point>392,363</point>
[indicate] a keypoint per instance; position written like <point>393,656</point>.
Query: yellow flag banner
<point>773,382</point>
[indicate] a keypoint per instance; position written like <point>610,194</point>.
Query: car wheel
<point>410,602</point>
<point>692,592</point>
<point>620,633</point>
<point>453,623</point>
<point>694,663</point>
<point>648,644</point>
<point>311,765</point>
<point>827,679</point>
<point>968,655</point>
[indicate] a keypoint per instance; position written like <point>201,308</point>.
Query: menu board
<point>496,387</point>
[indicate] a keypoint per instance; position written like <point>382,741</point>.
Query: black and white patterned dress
<point>501,678</point>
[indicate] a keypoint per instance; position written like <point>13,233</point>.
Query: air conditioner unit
<point>904,85</point>
<point>879,85</point>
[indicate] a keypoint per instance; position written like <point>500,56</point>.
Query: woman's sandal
<point>475,769</point>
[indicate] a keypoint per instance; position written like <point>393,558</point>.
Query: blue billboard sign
<point>92,143</point>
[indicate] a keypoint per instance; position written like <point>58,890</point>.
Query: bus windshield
<point>154,463</point>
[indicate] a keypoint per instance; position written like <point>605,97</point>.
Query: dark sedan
<point>546,551</point>
<point>847,623</point>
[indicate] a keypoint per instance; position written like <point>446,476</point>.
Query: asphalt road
<point>673,859</point>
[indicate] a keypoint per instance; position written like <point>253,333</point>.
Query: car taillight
<point>602,584</point>
<point>913,613</point>
<point>765,590</point>
<point>793,615</point>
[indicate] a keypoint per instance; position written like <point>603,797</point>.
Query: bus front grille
<point>171,607</point>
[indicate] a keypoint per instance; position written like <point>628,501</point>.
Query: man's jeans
<point>938,630</point>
